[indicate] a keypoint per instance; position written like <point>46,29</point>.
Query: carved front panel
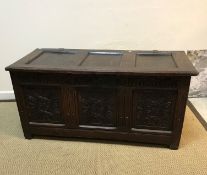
<point>97,106</point>
<point>43,104</point>
<point>153,109</point>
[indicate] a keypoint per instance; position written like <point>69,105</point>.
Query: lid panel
<point>102,59</point>
<point>106,62</point>
<point>155,61</point>
<point>55,59</point>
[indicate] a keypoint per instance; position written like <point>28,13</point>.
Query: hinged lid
<point>105,62</point>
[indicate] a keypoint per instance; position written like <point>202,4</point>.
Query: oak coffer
<point>103,94</point>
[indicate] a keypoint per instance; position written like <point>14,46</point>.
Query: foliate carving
<point>154,109</point>
<point>97,107</point>
<point>43,104</point>
<point>155,82</point>
<point>98,80</point>
<point>95,80</point>
<point>71,80</point>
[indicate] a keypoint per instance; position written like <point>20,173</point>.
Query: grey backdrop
<point>198,87</point>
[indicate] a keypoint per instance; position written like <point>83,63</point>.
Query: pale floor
<point>201,106</point>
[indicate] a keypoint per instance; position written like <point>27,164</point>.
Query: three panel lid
<point>105,62</point>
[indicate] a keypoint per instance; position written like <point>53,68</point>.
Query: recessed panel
<point>153,109</point>
<point>56,59</point>
<point>102,59</point>
<point>43,104</point>
<point>155,61</point>
<point>97,106</point>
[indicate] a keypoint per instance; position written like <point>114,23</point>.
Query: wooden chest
<point>103,94</point>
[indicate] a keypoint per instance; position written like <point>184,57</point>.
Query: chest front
<point>117,95</point>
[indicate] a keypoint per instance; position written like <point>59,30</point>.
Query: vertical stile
<point>70,107</point>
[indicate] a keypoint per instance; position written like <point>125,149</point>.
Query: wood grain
<point>120,95</point>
